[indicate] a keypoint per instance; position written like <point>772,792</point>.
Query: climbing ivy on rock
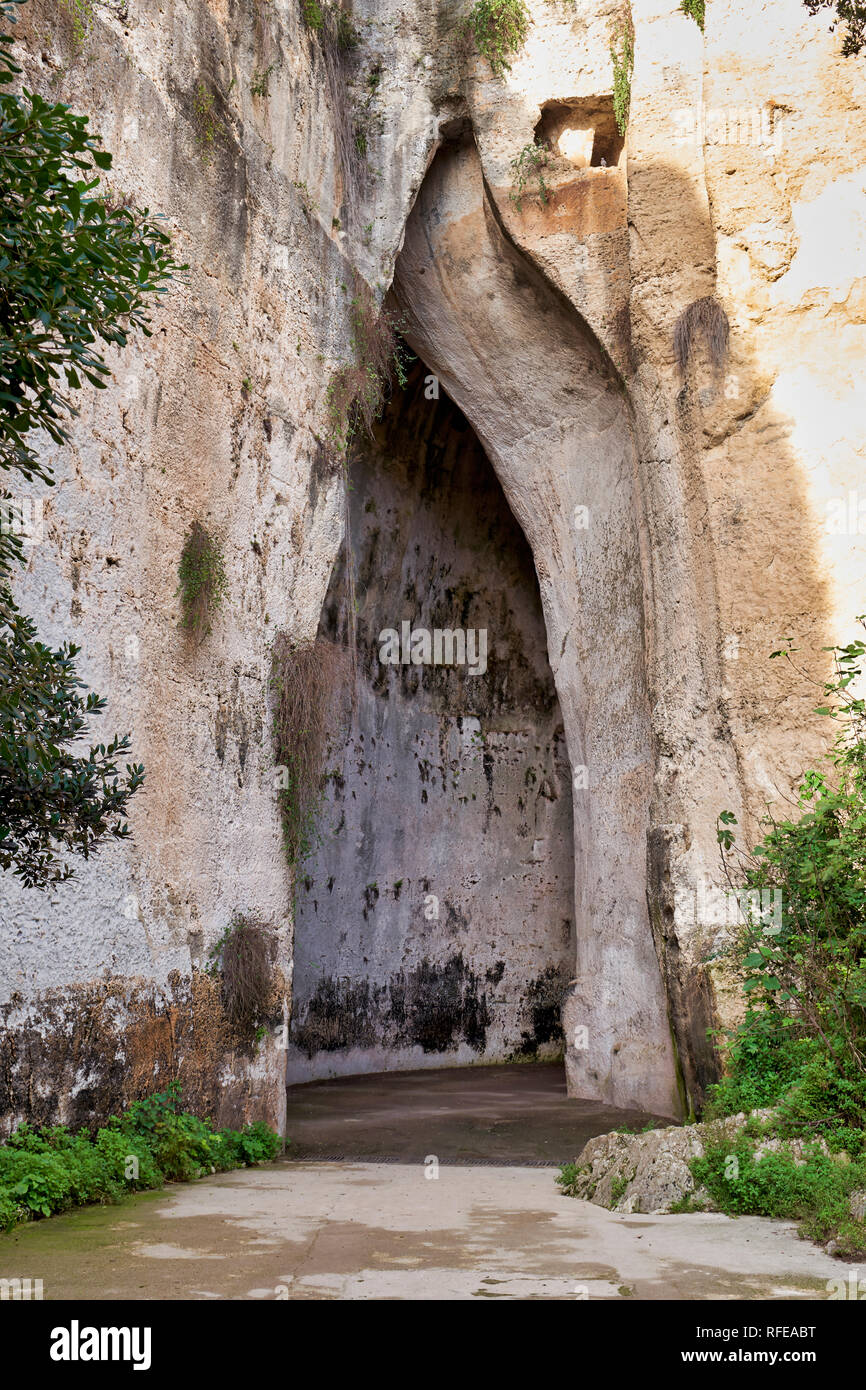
<point>499,28</point>
<point>695,8</point>
<point>622,57</point>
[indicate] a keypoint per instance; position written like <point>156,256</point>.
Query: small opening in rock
<point>583,131</point>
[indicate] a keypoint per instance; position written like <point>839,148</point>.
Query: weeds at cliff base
<point>49,1170</point>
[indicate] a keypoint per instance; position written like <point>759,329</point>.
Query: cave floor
<point>348,1223</point>
<point>518,1113</point>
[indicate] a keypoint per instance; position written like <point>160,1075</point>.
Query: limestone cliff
<point>675,526</point>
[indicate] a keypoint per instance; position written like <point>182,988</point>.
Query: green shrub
<point>311,13</point>
<point>499,28</point>
<point>801,1050</point>
<point>764,1059</point>
<point>48,1170</point>
<point>567,1179</point>
<point>696,9</point>
<point>808,968</point>
<point>260,83</point>
<point>815,1191</point>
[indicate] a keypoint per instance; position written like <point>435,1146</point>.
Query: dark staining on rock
<point>543,1002</point>
<point>324,467</point>
<point>454,920</point>
<point>342,1013</point>
<point>88,1051</point>
<point>433,1006</point>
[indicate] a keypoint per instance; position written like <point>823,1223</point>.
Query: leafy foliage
<point>530,164</point>
<point>851,13</point>
<point>311,13</point>
<point>811,969</point>
<point>77,271</point>
<point>499,28</point>
<point>49,1170</point>
<point>260,84</point>
<point>203,580</point>
<point>697,9</point>
<point>74,271</point>
<point>568,1179</point>
<point>51,799</point>
<point>813,1187</point>
<point>622,57</point>
<point>802,1047</point>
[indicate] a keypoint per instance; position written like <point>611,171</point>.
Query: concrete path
<point>386,1231</point>
<point>423,1185</point>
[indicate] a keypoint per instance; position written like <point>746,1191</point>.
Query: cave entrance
<point>434,921</point>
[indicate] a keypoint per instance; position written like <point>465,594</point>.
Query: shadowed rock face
<point>553,419</point>
<point>435,919</point>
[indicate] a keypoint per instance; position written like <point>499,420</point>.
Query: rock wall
<point>435,918</point>
<point>720,512</point>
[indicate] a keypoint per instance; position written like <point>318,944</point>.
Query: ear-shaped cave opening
<point>555,423</point>
<point>434,920</point>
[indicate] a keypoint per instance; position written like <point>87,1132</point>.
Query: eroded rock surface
<point>722,507</point>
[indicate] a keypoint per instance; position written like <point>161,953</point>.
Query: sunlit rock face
<point>678,524</point>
